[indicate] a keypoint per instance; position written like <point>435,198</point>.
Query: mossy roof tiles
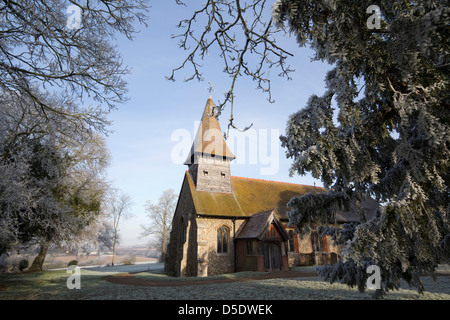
<point>249,197</point>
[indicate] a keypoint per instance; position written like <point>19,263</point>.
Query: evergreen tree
<point>381,129</point>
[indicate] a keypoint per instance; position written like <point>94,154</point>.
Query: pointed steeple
<point>209,139</point>
<point>209,157</point>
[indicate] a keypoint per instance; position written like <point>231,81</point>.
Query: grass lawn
<point>51,285</point>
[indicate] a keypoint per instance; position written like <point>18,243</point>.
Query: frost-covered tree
<point>67,46</point>
<point>53,181</point>
<point>160,216</point>
<point>380,130</point>
<point>105,236</point>
<point>118,207</point>
<point>60,74</point>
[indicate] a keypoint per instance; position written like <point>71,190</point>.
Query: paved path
<point>153,267</point>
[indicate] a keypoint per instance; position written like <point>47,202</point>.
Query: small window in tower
<point>205,172</point>
<point>222,174</point>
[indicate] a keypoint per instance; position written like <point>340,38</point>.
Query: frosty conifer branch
<point>389,141</point>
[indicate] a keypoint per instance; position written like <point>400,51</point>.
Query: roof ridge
<point>282,182</point>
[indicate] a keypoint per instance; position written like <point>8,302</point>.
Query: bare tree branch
<point>242,32</point>
<point>160,216</point>
<point>37,49</point>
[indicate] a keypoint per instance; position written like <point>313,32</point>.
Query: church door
<point>272,256</point>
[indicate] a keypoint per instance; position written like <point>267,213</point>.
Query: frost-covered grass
<point>161,277</point>
<point>52,285</point>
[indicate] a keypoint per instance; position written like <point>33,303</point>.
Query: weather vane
<point>211,87</point>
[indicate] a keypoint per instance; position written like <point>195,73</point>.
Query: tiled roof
<point>249,197</point>
<point>257,225</point>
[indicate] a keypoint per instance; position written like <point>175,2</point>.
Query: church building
<point>224,224</point>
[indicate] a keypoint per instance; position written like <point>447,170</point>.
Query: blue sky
<point>141,146</point>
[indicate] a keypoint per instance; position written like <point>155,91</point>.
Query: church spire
<point>209,157</point>
<point>209,139</point>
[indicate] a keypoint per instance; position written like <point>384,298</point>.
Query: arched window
<point>223,239</point>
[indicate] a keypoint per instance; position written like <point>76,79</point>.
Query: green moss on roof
<point>249,197</point>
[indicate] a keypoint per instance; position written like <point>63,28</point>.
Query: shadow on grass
<point>52,285</point>
<point>316,288</point>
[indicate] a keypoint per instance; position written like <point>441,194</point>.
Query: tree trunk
<point>163,253</point>
<point>114,250</point>
<point>38,262</point>
<point>163,248</point>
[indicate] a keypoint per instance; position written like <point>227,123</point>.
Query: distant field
<point>124,255</point>
<point>54,262</point>
<point>52,285</point>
